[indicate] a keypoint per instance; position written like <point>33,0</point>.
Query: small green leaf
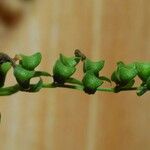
<point>143,70</point>
<point>30,62</point>
<point>62,72</point>
<point>69,61</point>
<point>94,66</point>
<point>23,76</point>
<point>91,82</point>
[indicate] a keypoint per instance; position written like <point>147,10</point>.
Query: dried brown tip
<point>78,53</point>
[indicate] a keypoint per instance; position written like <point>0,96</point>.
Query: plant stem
<point>14,89</point>
<point>106,89</point>
<point>80,87</point>
<point>55,85</point>
<point>74,81</point>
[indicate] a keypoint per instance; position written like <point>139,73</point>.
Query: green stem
<point>74,81</point>
<point>80,87</point>
<point>106,89</point>
<point>55,85</point>
<point>14,89</point>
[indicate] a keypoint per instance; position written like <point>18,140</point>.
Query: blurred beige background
<point>63,119</point>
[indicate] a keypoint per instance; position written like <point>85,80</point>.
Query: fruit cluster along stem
<point>24,69</point>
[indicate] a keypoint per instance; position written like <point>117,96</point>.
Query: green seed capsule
<point>91,82</point>
<point>69,61</point>
<point>115,77</point>
<point>143,70</point>
<point>94,66</point>
<point>30,62</point>
<point>62,72</point>
<point>124,73</point>
<point>4,68</point>
<point>23,76</point>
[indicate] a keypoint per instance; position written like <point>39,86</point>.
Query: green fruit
<point>115,77</point>
<point>4,68</point>
<point>124,73</point>
<point>94,66</point>
<point>23,76</point>
<point>91,82</point>
<point>62,72</point>
<point>69,61</point>
<point>30,62</point>
<point>143,70</point>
